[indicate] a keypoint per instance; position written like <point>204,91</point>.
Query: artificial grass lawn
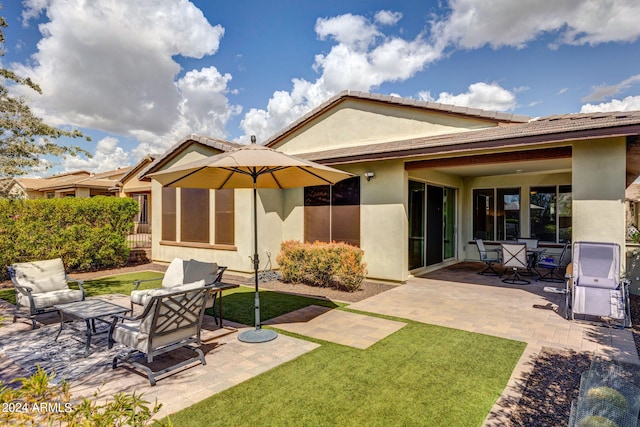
<point>238,304</point>
<point>420,375</point>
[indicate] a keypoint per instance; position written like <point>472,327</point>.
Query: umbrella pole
<point>258,334</point>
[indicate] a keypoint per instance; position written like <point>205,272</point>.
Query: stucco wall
<point>598,191</point>
<point>383,218</point>
<point>357,122</point>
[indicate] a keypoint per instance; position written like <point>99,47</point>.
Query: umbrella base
<point>257,335</point>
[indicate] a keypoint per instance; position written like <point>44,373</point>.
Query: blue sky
<point>138,76</point>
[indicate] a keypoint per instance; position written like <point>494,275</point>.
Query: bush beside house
<point>322,264</point>
<point>88,234</point>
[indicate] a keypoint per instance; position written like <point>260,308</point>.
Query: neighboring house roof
<point>76,179</point>
<point>496,116</point>
<point>146,160</point>
<point>551,129</point>
<point>219,144</point>
<point>633,192</point>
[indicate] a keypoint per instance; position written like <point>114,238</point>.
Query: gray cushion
<point>41,276</point>
<point>47,299</point>
<point>142,297</point>
<point>197,270</point>
<point>128,333</point>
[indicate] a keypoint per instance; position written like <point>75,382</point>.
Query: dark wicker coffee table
<point>88,310</point>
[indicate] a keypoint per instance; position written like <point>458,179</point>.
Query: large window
<point>194,215</point>
<point>332,213</point>
<point>550,213</point>
<point>496,213</point>
<point>224,217</point>
<point>169,214</point>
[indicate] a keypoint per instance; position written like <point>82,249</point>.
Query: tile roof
<point>396,100</point>
<point>548,129</point>
<point>216,143</point>
<point>74,179</point>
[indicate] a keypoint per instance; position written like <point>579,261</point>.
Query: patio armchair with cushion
<point>489,257</point>
<point>168,322</point>
<point>40,285</point>
<point>179,273</point>
<point>514,258</point>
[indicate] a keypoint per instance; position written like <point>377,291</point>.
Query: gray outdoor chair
<point>40,285</point>
<point>489,257</point>
<point>595,286</point>
<point>514,258</point>
<point>168,322</point>
<point>554,266</point>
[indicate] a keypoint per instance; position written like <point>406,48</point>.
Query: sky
<point>139,76</point>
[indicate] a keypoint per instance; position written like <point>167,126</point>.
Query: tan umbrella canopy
<point>238,168</point>
<point>250,166</point>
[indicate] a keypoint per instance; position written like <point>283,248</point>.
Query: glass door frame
<point>419,243</point>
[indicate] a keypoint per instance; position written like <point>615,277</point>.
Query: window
<point>496,213</point>
<point>169,214</point>
<point>194,215</point>
<point>143,214</point>
<point>332,213</point>
<point>224,217</point>
<point>550,213</point>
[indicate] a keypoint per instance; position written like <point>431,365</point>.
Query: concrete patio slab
<point>229,362</point>
<point>341,327</point>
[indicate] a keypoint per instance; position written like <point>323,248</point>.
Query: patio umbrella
<point>250,166</point>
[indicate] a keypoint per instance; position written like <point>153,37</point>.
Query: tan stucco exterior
<point>352,123</point>
<point>595,170</point>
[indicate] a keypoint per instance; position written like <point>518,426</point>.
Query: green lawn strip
<point>420,375</point>
<point>238,304</point>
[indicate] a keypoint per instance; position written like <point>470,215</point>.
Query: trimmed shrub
<point>608,395</point>
<point>322,264</point>
<point>88,234</point>
<point>596,421</point>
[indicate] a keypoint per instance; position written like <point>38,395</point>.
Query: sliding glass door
<point>432,224</point>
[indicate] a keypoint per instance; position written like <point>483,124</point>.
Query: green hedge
<point>322,264</point>
<point>88,234</point>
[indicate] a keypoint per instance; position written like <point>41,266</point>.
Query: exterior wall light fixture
<point>369,175</point>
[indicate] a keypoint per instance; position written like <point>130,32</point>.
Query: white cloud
<point>629,103</point>
<point>362,58</point>
<point>602,92</point>
<point>480,95</point>
<point>109,65</point>
<point>108,156</point>
<point>473,23</point>
<point>387,17</point>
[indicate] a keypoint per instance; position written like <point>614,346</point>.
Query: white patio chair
<point>514,258</point>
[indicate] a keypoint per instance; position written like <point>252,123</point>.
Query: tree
<point>24,137</point>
